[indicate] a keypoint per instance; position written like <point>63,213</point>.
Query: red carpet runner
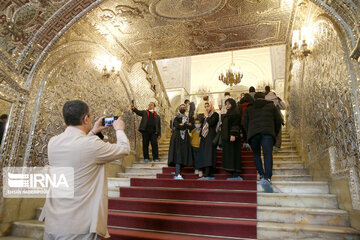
<point>189,209</point>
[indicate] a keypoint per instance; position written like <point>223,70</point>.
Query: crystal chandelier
<point>233,75</point>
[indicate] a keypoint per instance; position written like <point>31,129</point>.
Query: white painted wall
<point>255,64</point>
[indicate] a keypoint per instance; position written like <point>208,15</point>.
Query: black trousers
<point>148,137</point>
<point>208,172</point>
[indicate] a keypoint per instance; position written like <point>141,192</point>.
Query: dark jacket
<point>262,117</point>
<point>191,111</point>
<point>231,126</point>
<point>2,130</point>
<point>145,117</point>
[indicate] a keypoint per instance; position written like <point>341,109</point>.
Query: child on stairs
<point>195,145</point>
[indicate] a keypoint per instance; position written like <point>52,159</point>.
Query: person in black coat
<point>150,128</point>
<point>180,148</point>
<point>3,120</point>
<point>262,122</point>
<point>191,106</point>
<point>207,148</point>
<point>230,136</point>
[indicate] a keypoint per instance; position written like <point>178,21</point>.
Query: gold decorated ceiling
<point>173,28</point>
<point>135,29</point>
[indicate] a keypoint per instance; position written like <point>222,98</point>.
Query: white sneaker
<point>178,177</point>
<point>196,172</point>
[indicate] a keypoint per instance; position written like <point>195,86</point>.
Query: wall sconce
<point>299,43</point>
<point>106,62</point>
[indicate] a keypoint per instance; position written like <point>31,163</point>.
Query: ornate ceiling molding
<point>39,24</point>
<point>185,9</point>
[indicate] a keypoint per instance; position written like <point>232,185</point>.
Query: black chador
<point>207,148</point>
<point>180,148</point>
<point>230,134</point>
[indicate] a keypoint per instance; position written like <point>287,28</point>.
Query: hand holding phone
<point>108,121</point>
<point>119,124</point>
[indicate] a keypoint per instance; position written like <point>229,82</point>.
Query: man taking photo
<point>85,215</point>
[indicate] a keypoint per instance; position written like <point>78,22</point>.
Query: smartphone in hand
<point>108,121</point>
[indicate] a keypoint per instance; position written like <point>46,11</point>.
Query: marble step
<point>330,217</point>
<point>291,178</point>
<point>151,164</point>
<point>161,155</point>
<point>161,159</point>
<point>297,164</point>
<point>289,171</point>
<point>149,170</point>
<point>135,175</point>
<point>285,158</point>
<point>267,230</point>
<point>287,153</point>
<point>287,147</point>
<point>28,228</point>
<point>113,192</point>
<point>118,182</point>
<point>298,187</point>
<point>276,170</point>
<point>297,200</point>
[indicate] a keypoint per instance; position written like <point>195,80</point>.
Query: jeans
<point>150,137</point>
<point>265,142</point>
<point>196,157</point>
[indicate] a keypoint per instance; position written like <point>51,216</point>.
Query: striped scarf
<point>205,130</point>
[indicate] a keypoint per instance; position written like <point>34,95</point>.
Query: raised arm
<point>213,120</point>
<point>138,112</point>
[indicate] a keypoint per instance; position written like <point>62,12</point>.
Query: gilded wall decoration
<point>322,111</point>
<point>69,72</point>
<point>4,107</point>
<point>19,20</point>
<point>73,80</point>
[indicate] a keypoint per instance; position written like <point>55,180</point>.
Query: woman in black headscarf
<point>180,148</point>
<point>230,136</point>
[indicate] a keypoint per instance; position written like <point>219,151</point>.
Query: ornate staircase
<point>164,208</point>
<point>139,169</point>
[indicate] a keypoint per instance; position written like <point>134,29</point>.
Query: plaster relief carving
<point>185,9</point>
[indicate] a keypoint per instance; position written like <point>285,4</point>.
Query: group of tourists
<point>253,122</point>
